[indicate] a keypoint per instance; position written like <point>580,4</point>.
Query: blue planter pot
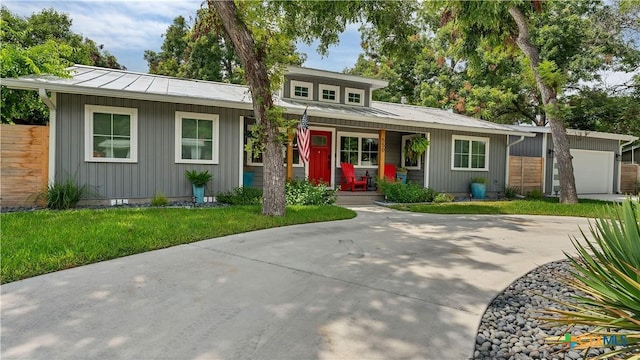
<point>198,194</point>
<point>247,179</point>
<point>478,190</point>
<point>402,177</point>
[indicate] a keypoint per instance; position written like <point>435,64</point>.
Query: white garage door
<point>593,171</point>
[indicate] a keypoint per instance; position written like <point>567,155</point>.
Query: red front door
<point>320,157</point>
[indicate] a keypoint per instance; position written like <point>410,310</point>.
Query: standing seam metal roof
<point>110,82</point>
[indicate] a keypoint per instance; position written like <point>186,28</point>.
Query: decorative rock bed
<point>175,204</point>
<point>509,328</point>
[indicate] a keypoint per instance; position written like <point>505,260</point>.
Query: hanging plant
<point>415,147</point>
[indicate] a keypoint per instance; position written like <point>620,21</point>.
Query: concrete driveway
<point>385,285</point>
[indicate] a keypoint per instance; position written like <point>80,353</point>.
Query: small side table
<point>370,185</point>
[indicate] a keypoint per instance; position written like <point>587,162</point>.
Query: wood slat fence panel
<point>24,163</point>
<point>630,174</point>
<point>525,173</point>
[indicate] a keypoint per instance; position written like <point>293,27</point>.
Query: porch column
<point>290,155</point>
<point>382,138</point>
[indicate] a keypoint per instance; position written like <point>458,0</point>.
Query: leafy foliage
<point>607,270</point>
<point>303,192</point>
<point>415,147</point>
<point>510,192</point>
<point>198,178</point>
<point>405,193</point>
<point>159,199</point>
<point>42,43</point>
<point>66,194</point>
<point>443,198</point>
<point>241,196</point>
<point>535,194</point>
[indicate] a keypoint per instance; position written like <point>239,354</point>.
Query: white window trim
<point>360,136</point>
<point>469,138</point>
<point>402,143</point>
<point>348,91</point>
<point>294,83</point>
<point>178,138</point>
<point>250,161</point>
<point>323,87</point>
<point>88,132</point>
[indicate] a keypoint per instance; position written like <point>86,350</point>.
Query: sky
<point>128,28</point>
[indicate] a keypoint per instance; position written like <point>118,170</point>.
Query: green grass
<point>40,242</point>
<point>586,208</point>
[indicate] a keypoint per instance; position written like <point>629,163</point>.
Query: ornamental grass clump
<point>66,194</point>
<point>607,270</point>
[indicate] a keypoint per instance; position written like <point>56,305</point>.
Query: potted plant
<point>198,181</point>
<point>478,187</point>
<point>416,147</point>
<point>401,174</point>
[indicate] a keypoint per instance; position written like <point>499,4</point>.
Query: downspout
<point>620,163</point>
<point>50,102</point>
<point>544,163</point>
<point>241,152</point>
<point>506,173</point>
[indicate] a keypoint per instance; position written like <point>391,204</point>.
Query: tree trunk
<point>257,78</point>
<point>568,193</point>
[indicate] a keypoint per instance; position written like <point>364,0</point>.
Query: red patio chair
<point>390,172</point>
<point>349,180</point>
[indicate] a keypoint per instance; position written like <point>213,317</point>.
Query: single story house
<point>132,135</point>
<point>596,158</point>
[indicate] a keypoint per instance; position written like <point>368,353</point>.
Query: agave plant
<point>607,270</point>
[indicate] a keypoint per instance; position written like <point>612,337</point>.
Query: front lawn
<point>547,206</point>
<point>39,242</point>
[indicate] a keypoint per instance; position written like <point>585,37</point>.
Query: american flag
<point>303,137</point>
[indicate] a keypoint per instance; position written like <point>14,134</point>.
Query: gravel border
<point>509,329</point>
<point>173,204</point>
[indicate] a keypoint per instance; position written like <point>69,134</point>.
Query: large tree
<point>560,44</point>
<point>260,33</point>
<point>42,43</point>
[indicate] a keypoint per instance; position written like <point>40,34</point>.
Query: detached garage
<point>592,170</point>
<point>596,158</point>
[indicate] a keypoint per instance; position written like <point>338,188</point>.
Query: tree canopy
<point>42,43</point>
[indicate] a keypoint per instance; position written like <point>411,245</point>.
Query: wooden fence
<point>525,173</point>
<point>24,163</point>
<point>630,174</point>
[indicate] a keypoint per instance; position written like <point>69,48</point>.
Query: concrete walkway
<point>385,285</point>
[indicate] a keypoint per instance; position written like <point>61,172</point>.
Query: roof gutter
<point>72,89</point>
<point>52,133</point>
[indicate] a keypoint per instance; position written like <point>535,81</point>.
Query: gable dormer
<point>311,85</point>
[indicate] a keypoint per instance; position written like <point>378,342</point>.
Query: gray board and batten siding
<point>441,177</point>
<point>326,81</point>
<point>156,170</point>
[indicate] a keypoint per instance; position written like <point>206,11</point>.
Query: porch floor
<point>358,197</point>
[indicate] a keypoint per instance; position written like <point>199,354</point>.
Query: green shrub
<point>66,194</point>
<point>478,180</point>
<point>607,270</point>
<point>198,178</point>
<point>303,192</point>
<point>510,192</point>
<point>159,200</point>
<point>534,194</point>
<point>241,196</point>
<point>405,193</point>
<point>443,198</point>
